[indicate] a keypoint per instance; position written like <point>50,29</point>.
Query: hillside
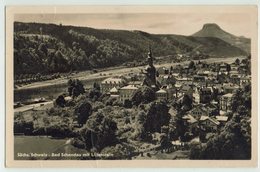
<point>213,30</point>
<point>49,48</point>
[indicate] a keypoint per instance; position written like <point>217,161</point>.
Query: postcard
<point>131,86</point>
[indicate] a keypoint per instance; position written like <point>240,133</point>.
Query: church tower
<point>150,71</point>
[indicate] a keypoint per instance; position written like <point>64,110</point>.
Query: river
<point>49,92</point>
<point>51,89</point>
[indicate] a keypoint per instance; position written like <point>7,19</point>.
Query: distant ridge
<point>66,48</point>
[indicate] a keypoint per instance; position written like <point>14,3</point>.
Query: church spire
<point>150,55</point>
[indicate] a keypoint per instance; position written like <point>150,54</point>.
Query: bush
<point>143,95</point>
<point>23,127</point>
<point>82,112</point>
<point>60,131</point>
<point>78,143</point>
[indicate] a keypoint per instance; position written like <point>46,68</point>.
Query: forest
<point>49,48</point>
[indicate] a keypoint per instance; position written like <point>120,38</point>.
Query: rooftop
<point>129,87</point>
<point>228,95</point>
<point>222,118</point>
<point>189,118</point>
<point>113,90</point>
<point>112,80</point>
<point>161,91</point>
<point>203,118</point>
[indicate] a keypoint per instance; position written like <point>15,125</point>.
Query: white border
<point>92,2</point>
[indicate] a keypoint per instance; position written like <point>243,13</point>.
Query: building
<point>181,81</point>
<point>114,92</point>
<point>244,81</point>
<point>230,88</point>
<point>150,73</point>
<point>225,102</point>
<point>234,77</point>
<point>161,94</point>
<point>186,89</point>
<point>199,80</point>
<point>234,67</point>
<point>223,67</point>
<point>167,80</point>
<point>209,123</point>
<point>243,68</point>
<point>109,83</point>
<point>205,94</point>
<point>196,96</point>
<point>126,92</point>
<point>191,122</point>
<point>198,111</point>
<point>222,119</point>
<point>213,108</point>
<point>135,83</point>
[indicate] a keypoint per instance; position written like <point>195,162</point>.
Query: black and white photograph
<point>169,84</point>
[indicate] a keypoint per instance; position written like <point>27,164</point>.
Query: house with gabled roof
<point>198,111</point>
<point>110,83</point>
<point>161,94</point>
<point>126,92</point>
<point>191,122</point>
<point>209,123</point>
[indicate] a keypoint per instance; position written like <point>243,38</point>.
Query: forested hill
<point>50,48</point>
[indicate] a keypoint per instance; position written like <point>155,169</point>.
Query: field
<point>36,144</point>
<point>43,144</point>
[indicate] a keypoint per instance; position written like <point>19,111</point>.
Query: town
<point>169,112</point>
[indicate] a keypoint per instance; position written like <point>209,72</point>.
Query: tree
<point>119,152</point>
<point>228,68</point>
<point>242,111</point>
<point>181,128</point>
<point>191,65</point>
<point>237,61</point>
<point>75,88</point>
<point>143,95</point>
<point>237,100</point>
<point>96,86</point>
<point>186,102</point>
<point>157,116</point>
<point>60,101</point>
<point>100,132</point>
<point>82,112</point>
<point>195,150</point>
<point>234,141</point>
<point>154,116</point>
<point>42,47</point>
<point>94,94</point>
<point>165,142</point>
<point>139,132</point>
<point>59,130</point>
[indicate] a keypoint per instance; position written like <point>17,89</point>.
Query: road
<point>35,105</point>
<point>31,106</point>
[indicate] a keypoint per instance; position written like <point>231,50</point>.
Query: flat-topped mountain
<point>213,30</point>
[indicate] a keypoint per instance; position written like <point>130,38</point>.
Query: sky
<point>157,23</point>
